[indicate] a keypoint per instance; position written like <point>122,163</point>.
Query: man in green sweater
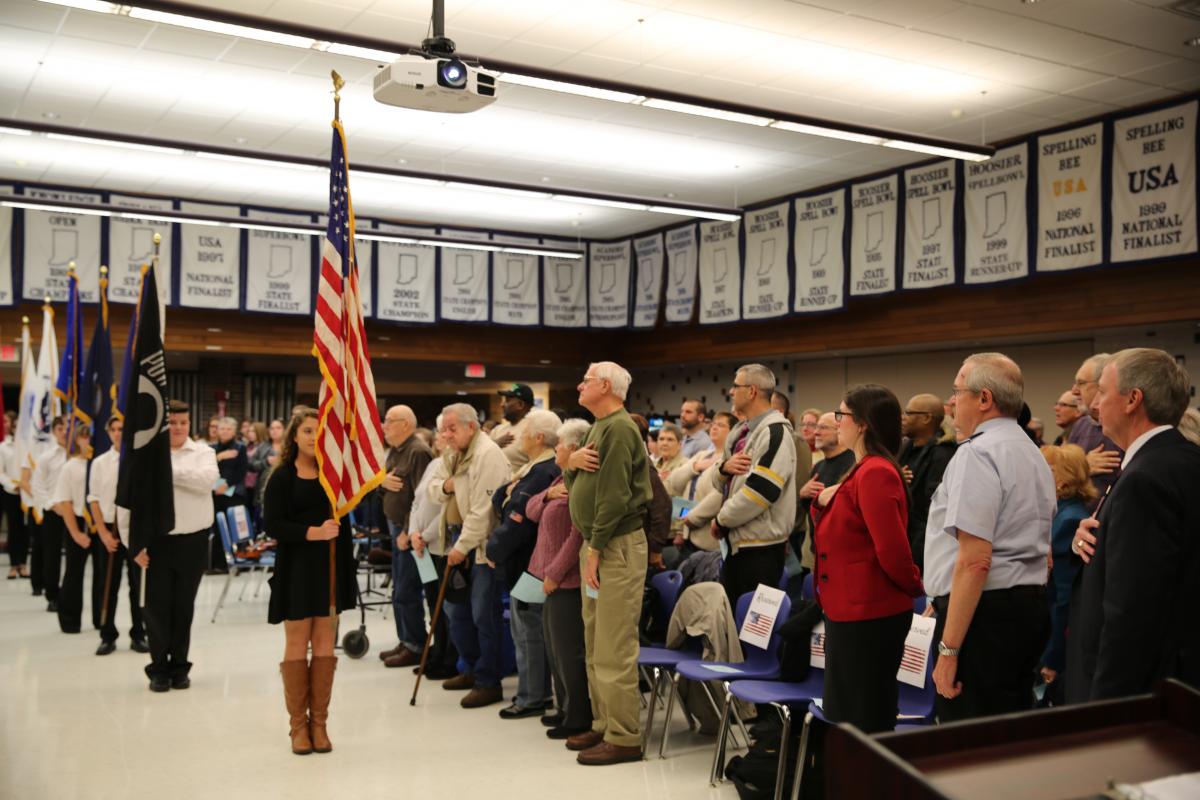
<point>608,483</point>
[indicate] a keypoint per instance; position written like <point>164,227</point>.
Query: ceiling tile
<point>33,16</point>
<point>253,54</point>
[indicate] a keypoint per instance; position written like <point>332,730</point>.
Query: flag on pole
<point>350,450</point>
<point>70,368</point>
<point>144,478</point>
<point>97,392</point>
<point>48,406</point>
<point>122,399</point>
<point>32,393</point>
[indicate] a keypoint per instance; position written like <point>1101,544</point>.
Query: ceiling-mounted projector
<point>434,79</point>
<point>431,82</point>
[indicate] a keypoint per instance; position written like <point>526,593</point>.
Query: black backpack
<point>753,775</point>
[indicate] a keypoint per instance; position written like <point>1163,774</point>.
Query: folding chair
<point>782,697</point>
<point>235,563</point>
<point>241,530</point>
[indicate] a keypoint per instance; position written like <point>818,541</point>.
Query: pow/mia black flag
<point>144,481</point>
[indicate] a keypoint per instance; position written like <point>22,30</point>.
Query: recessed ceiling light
<point>240,139</point>
<point>401,160</point>
<point>50,115</point>
<point>545,179</point>
<point>669,195</point>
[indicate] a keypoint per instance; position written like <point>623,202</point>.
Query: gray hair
<point>546,423</point>
<point>758,376</point>
<point>464,412</point>
<point>1096,364</point>
<point>573,431</point>
<point>1163,382</point>
<point>617,376</point>
<point>1001,376</point>
<point>227,421</point>
<point>673,429</point>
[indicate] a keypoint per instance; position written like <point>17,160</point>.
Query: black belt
<point>942,602</point>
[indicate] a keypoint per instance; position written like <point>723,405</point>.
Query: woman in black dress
<point>296,513</point>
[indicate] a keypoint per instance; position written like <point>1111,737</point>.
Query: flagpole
<point>111,557</point>
<point>153,266</point>
<point>338,83</point>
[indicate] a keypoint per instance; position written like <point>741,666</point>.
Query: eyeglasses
<point>916,413</point>
<point>840,415</point>
<point>1078,384</point>
<point>736,386</point>
<point>955,391</point>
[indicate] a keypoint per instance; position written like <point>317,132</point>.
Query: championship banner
<point>407,277</point>
<point>131,244</point>
<point>279,268</point>
<point>564,288</point>
<point>608,284</point>
<point>464,279</point>
<point>1154,184</point>
<point>210,259</point>
<point>997,233</point>
<point>6,287</point>
<point>682,259</point>
<point>765,284</point>
<point>1069,199</point>
<point>647,287</point>
<point>929,194</point>
<point>820,256</point>
<point>53,239</point>
<point>720,272</point>
<point>364,259</point>
<point>515,283</point>
<point>873,236</point>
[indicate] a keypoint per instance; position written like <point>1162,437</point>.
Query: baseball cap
<point>519,391</point>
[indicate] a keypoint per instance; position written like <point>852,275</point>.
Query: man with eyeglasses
<point>986,545</point>
<point>757,477</point>
<point>924,454</point>
<point>1103,454</point>
<point>836,461</point>
<point>1066,414</point>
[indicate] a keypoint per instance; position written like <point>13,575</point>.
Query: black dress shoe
<point>139,646</point>
<point>181,682</point>
<point>552,720</point>
<point>105,648</point>
<point>517,712</point>
<point>159,683</point>
<point>562,732</point>
<point>37,593</point>
<point>52,607</point>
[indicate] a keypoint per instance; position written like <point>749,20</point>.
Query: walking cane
<point>437,611</point>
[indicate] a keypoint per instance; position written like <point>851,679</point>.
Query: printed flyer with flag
<point>760,617</point>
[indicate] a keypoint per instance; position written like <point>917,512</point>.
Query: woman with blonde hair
<point>297,514</point>
<point>1069,465</point>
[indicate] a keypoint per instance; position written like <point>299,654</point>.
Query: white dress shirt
<point>1137,443</point>
<point>102,489</point>
<point>194,466</point>
<point>50,462</point>
<point>71,486</point>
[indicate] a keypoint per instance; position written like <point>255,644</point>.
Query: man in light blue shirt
<point>986,547</point>
<point>692,416</point>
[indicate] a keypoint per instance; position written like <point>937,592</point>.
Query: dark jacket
<point>928,464</point>
<point>658,516</point>
<point>1135,609</point>
<point>511,544</point>
<point>408,461</point>
<point>233,470</point>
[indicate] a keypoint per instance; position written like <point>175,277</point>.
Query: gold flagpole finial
<point>70,267</point>
<point>47,300</point>
<point>24,320</point>
<point>103,270</point>
<point>157,239</point>
<point>338,83</point>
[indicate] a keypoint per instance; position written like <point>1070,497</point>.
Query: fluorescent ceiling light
<point>223,28</point>
<point>91,212</point>
<point>150,148</point>
<point>692,212</point>
<point>707,111</point>
<point>580,89</point>
<point>601,201</point>
<point>483,187</point>
<point>150,217</point>
<point>258,162</point>
<point>385,176</point>
<point>15,131</point>
<point>934,150</point>
<point>829,133</point>
<point>88,5</point>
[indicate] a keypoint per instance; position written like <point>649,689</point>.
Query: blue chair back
<point>756,656</point>
<point>668,584</point>
<point>783,581</point>
<point>919,604</point>
<point>226,542</point>
<point>240,529</point>
<point>806,589</point>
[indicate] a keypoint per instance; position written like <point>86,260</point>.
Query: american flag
<point>350,451</point>
<point>818,645</point>
<point>759,623</point>
<point>913,659</point>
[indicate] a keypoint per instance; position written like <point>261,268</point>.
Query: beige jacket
<point>487,471</point>
<point>706,497</point>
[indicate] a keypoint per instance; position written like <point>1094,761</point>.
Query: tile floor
<point>74,725</point>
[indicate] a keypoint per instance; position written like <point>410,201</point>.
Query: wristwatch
<point>943,650</point>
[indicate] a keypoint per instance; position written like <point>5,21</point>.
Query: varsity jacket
<point>760,506</point>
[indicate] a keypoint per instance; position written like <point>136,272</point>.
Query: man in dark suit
<point>1135,609</point>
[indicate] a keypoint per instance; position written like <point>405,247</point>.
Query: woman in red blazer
<point>865,575</point>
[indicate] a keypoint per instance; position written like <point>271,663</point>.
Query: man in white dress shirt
<point>14,513</point>
<point>102,500</point>
<point>42,479</point>
<point>175,563</point>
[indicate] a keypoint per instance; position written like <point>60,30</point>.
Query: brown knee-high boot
<point>320,679</point>
<point>295,695</point>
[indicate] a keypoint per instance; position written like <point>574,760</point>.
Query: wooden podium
<point>1054,754</point>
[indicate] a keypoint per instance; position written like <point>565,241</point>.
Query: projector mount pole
<point>438,44</point>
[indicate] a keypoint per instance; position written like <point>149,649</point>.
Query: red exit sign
<point>476,371</point>
<point>8,353</point>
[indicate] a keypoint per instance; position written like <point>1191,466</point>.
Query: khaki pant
<point>610,634</point>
